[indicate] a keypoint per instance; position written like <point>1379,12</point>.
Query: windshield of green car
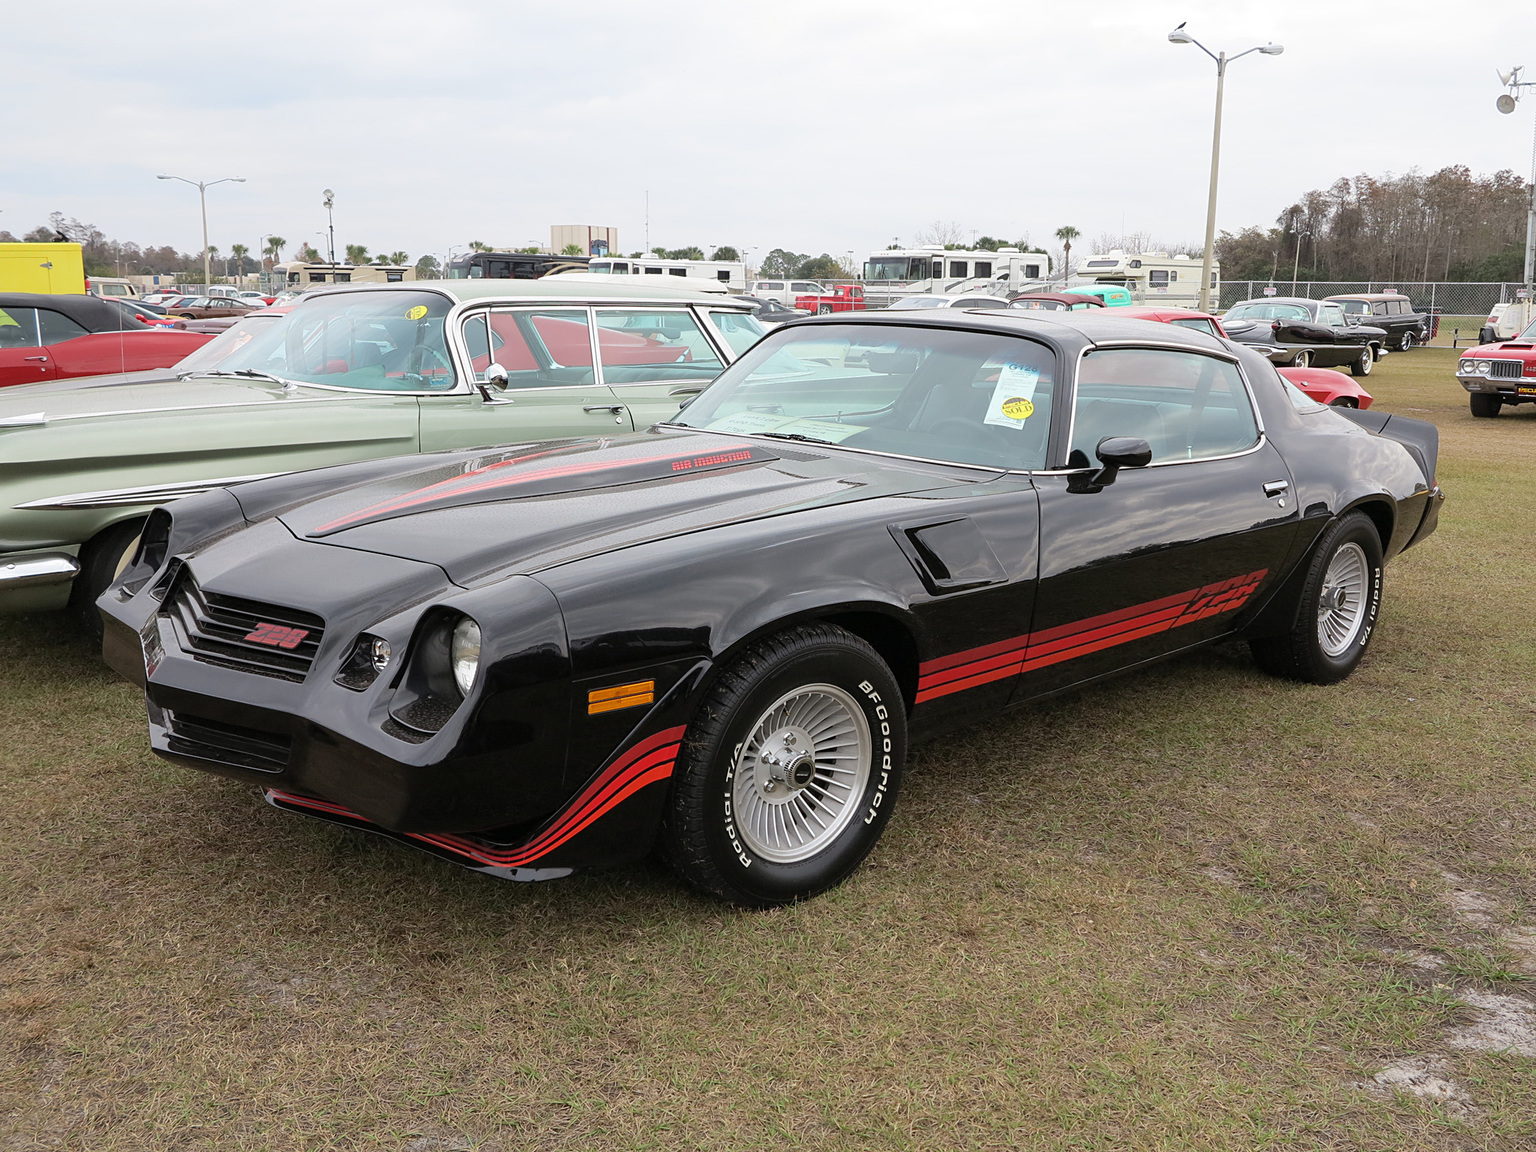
<point>236,336</point>
<point>380,341</point>
<point>934,394</point>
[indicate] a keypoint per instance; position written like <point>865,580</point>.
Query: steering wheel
<point>415,362</point>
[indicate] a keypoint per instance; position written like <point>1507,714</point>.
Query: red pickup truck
<point>843,298</point>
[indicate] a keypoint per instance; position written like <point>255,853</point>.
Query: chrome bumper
<point>37,569</point>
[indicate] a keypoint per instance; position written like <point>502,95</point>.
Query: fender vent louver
<point>219,630</point>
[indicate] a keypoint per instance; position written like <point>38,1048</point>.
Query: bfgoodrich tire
<point>789,770</point>
<point>1339,603</point>
<point>102,559</point>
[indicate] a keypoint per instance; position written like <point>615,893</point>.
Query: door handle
<point>614,408</point>
<point>691,390</point>
<point>1277,488</point>
<point>44,359</point>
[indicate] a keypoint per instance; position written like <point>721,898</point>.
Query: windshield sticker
<point>747,422</point>
<point>5,319</point>
<point>1013,399</point>
<point>417,312</point>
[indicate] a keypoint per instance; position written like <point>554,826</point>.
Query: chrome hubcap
<point>1341,608</point>
<point>801,772</point>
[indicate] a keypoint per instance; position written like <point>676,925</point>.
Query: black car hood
<point>482,513</point>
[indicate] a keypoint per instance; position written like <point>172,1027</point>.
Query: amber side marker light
<point>621,696</point>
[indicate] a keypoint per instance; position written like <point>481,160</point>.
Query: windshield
<point>896,268</point>
<point>236,336</point>
<point>934,394</point>
<point>1356,306</point>
<point>920,302</point>
<point>383,341</point>
<point>1265,311</point>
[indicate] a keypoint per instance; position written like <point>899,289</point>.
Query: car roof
<point>93,313</point>
<point>1369,296</point>
<point>546,287</point>
<point>1279,300</point>
<point>1094,325</point>
<point>1061,297</point>
<point>1147,311</point>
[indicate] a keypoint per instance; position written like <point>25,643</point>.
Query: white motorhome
<point>732,273</point>
<point>898,272</point>
<point>298,273</point>
<point>1151,277</point>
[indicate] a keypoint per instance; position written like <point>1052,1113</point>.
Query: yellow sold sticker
<point>1018,408</point>
<point>417,312</point>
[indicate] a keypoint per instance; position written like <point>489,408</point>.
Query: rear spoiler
<point>1420,437</point>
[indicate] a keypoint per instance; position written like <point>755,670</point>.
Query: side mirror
<point>496,375</point>
<point>1114,453</point>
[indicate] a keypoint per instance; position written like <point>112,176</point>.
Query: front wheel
<point>1301,359</point>
<point>102,561</point>
<point>789,770</point>
<point>1339,603</point>
<point>1363,363</point>
<point>1485,405</point>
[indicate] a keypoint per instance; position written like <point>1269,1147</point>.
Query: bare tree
<point>942,233</point>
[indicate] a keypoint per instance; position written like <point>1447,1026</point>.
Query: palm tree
<point>239,252</point>
<point>479,246</point>
<point>357,253</point>
<point>1066,234</point>
<point>275,246</point>
<point>397,257</point>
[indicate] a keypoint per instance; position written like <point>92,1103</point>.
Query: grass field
<point>1194,909</point>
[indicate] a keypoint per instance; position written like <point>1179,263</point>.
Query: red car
<point>44,337</point>
<point>1322,384</point>
<point>1499,374</point>
<point>843,298</point>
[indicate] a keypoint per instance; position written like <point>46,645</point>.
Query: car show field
<point>1195,907</point>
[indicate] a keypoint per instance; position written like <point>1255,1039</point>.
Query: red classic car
<point>1322,384</point>
<point>842,298</point>
<point>1500,373</point>
<point>46,337</point>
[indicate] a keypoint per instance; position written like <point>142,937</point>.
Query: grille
<point>227,743</point>
<point>215,629</point>
<point>1505,369</point>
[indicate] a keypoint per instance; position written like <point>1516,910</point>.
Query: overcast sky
<point>816,125</point>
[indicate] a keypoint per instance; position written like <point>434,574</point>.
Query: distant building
<point>592,239</point>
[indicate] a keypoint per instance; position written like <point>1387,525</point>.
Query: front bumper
<point>1510,389</point>
<point>37,581</point>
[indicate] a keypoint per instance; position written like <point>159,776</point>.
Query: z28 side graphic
<point>718,636</point>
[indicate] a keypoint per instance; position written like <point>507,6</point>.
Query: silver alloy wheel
<point>801,772</point>
<point>1341,607</point>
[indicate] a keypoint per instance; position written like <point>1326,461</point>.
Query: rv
<point>299,274</point>
<point>499,264</point>
<point>1151,277</point>
<point>731,273</point>
<point>898,272</point>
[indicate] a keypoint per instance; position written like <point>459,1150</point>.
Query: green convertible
<point>348,374</point>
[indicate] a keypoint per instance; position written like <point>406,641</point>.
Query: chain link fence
<point>1449,297</point>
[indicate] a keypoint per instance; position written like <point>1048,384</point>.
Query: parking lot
<point>1193,908</point>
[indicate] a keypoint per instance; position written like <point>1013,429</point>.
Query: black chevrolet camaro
<point>718,637</point>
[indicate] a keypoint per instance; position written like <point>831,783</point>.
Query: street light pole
<point>1506,104</point>
<point>330,202</point>
<point>202,187</point>
<point>1179,36</point>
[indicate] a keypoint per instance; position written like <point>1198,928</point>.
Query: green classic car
<point>347,375</point>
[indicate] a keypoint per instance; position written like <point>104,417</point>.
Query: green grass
<point>1167,913</point>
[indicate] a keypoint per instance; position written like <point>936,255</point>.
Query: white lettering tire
<point>789,770</point>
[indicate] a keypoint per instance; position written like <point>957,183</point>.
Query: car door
<point>655,359</point>
<point>1167,555</point>
<point>1346,337</point>
<point>551,389</point>
<point>23,359</point>
<point>74,351</point>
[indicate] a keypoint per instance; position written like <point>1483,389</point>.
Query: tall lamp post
<point>202,187</point>
<point>1179,36</point>
<point>330,215</point>
<point>1506,104</point>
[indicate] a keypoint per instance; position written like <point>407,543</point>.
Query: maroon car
<point>47,337</point>
<point>214,308</point>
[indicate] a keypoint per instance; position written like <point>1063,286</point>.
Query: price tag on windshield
<point>1013,398</point>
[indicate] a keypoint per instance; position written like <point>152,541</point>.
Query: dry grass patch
<point>1196,909</point>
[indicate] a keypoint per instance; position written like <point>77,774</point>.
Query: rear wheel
<point>1302,359</point>
<point>1406,341</point>
<point>1344,402</point>
<point>1485,404</point>
<point>823,309</point>
<point>1364,362</point>
<point>789,771</point>
<point>102,561</point>
<point>1339,603</point>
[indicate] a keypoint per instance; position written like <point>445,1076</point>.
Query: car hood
<point>1524,349</point>
<point>481,515</point>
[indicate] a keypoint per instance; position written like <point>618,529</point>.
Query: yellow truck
<point>41,268</point>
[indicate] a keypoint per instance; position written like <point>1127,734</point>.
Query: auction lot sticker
<point>1013,399</point>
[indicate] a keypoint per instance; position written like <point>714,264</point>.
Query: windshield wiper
<point>797,436</point>
<point>243,373</point>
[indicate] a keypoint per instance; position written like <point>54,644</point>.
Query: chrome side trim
<point>132,497</point>
<point>48,568</point>
<point>26,420</point>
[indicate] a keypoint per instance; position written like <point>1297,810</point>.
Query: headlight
<point>464,651</point>
<point>1484,366</point>
<point>1467,367</point>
